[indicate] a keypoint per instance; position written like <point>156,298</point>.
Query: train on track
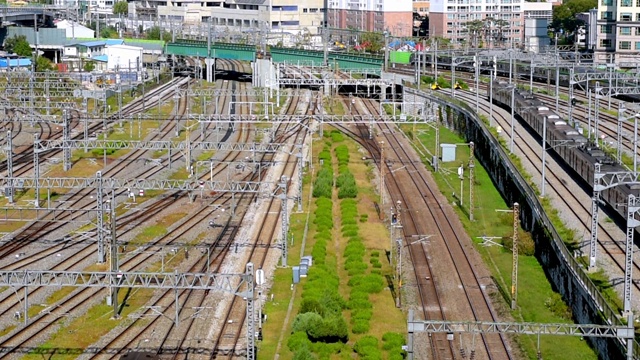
<point>519,69</point>
<point>578,152</point>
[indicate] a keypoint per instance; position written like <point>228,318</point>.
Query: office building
<point>393,16</point>
<point>618,27</point>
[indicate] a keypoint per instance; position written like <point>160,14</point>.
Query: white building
<point>123,57</point>
<point>74,30</point>
<point>618,27</point>
<point>273,15</point>
<point>394,16</point>
<point>448,19</point>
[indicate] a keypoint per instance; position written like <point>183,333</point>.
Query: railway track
<point>457,296</point>
<point>220,246</point>
<point>570,195</point>
<point>23,157</point>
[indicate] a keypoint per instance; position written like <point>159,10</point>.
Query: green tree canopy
<point>89,66</point>
<point>372,42</point>
<point>121,8</point>
<point>43,64</point>
<point>155,33</point>
<point>17,44</point>
<point>564,16</point>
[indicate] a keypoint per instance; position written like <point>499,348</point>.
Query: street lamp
<point>381,172</point>
<point>386,49</point>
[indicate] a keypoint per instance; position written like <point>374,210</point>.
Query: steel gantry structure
<point>237,284</point>
<point>624,333</point>
<point>609,180</point>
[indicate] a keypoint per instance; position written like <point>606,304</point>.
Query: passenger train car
<point>576,150</point>
<point>519,69</point>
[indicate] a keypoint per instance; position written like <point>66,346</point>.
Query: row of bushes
<point>367,346</point>
<point>319,327</point>
<point>362,282</point>
<point>345,182</point>
<point>323,185</point>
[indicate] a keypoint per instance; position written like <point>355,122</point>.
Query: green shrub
<point>331,329</point>
<point>304,354</point>
<point>392,340</point>
<point>326,350</point>
<point>557,306</point>
<point>336,136</point>
<point>360,304</point>
<point>364,218</point>
<point>304,322</point>
<point>297,341</point>
<point>354,264</point>
<point>360,326</point>
<point>364,343</point>
<point>342,154</point>
<point>365,314</point>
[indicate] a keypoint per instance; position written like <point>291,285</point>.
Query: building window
<point>626,3</point>
<point>624,45</point>
<point>625,30</point>
<point>606,15</point>
<point>606,29</point>
<point>607,2</point>
<point>637,45</point>
<point>637,3</point>
<point>285,8</point>
<point>290,23</point>
<point>625,17</point>
<point>605,43</point>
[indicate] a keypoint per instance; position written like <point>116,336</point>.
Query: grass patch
<point>537,302</point>
<point>149,233</point>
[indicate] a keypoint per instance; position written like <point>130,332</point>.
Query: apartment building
<point>274,15</point>
<point>393,16</point>
<point>618,39</point>
<point>448,18</point>
<point>421,7</point>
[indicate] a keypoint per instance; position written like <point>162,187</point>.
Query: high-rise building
<point>449,18</point>
<point>618,27</point>
<point>421,7</point>
<point>288,16</point>
<point>393,16</point>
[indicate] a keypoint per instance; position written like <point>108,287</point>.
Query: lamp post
<point>381,172</point>
<point>476,65</point>
<point>386,49</point>
<point>513,95</point>
<point>544,155</point>
<point>453,75</point>
<point>491,97</point>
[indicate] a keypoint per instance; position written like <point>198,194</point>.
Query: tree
<point>121,8</point>
<point>372,42</point>
<point>17,44</point>
<point>89,66</point>
<point>564,16</point>
<point>43,64</point>
<point>475,30</point>
<point>155,33</point>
